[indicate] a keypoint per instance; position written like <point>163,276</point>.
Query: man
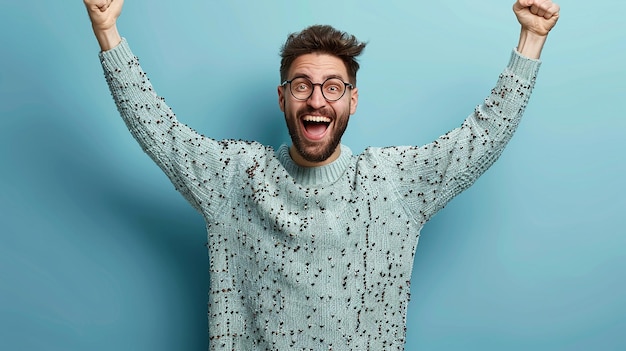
<point>311,247</point>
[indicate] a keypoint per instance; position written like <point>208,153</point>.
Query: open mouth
<point>315,127</point>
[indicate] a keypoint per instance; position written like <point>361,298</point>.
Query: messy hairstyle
<point>322,39</point>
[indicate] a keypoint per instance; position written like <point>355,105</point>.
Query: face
<point>317,125</point>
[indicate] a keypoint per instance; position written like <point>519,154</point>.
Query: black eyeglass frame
<point>321,85</point>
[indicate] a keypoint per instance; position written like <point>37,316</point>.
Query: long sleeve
<point>199,167</point>
<point>428,177</point>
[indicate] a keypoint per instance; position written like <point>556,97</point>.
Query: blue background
<point>98,251</point>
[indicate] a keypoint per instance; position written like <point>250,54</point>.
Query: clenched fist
<point>103,15</point>
<point>537,16</point>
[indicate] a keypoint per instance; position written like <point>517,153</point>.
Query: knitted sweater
<point>313,258</point>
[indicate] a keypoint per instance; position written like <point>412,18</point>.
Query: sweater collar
<point>312,176</point>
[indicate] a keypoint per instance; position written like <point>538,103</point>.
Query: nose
<point>317,100</point>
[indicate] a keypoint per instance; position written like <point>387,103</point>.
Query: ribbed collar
<point>312,176</point>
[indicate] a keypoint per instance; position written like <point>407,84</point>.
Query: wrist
<point>108,38</point>
<point>530,44</point>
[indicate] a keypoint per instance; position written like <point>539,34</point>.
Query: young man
<point>311,247</point>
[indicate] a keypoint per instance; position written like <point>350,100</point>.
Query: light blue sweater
<point>314,258</point>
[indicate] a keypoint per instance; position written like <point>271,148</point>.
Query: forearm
<point>107,38</point>
<point>146,114</point>
<point>148,118</point>
<point>530,44</point>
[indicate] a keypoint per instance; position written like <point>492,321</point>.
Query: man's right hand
<point>103,15</point>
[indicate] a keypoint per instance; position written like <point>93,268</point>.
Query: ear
<point>281,97</point>
<point>354,99</point>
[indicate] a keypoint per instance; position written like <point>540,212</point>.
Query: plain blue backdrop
<point>98,251</point>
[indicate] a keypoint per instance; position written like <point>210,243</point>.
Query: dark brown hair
<point>322,39</point>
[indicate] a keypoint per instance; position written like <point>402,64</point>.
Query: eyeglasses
<point>302,88</point>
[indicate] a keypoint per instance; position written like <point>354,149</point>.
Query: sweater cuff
<point>118,56</point>
<point>522,66</point>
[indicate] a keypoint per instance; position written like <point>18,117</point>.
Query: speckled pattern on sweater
<point>313,258</point>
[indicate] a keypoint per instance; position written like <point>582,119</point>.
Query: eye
<point>302,87</point>
<point>333,87</point>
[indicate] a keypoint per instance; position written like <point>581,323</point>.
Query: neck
<point>315,176</point>
<point>300,161</point>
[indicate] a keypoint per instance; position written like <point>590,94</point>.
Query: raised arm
<point>199,167</point>
<point>537,18</point>
<point>429,176</point>
<point>103,15</point>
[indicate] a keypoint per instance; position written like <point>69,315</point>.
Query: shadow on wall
<point>251,114</point>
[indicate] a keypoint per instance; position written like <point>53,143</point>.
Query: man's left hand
<point>537,16</point>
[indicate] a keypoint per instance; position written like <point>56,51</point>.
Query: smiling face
<point>315,124</point>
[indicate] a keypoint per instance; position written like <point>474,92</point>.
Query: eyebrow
<point>326,77</point>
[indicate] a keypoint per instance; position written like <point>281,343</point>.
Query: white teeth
<point>318,119</point>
